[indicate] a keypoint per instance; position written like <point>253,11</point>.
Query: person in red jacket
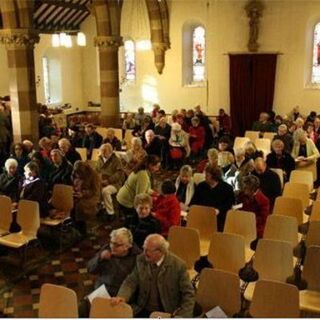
<point>255,201</point>
<point>167,207</point>
<point>197,137</point>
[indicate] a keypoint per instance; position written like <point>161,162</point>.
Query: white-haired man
<point>159,282</point>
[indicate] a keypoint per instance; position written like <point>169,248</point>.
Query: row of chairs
<point>254,135</point>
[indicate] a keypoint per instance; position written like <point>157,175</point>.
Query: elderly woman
<point>254,200</point>
<point>18,153</point>
<point>139,181</point>
<point>212,159</point>
<point>112,264</point>
<point>251,151</point>
<point>113,140</point>
<point>185,187</point>
<point>68,151</point>
<point>87,188</point>
<point>9,180</point>
<point>279,158</point>
<point>229,170</point>
<point>45,145</point>
<point>304,151</point>
<point>134,155</point>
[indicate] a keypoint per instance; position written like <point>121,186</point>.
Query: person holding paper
<point>159,282</point>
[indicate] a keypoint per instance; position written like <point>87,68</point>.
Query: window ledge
<point>199,84</point>
<point>312,86</point>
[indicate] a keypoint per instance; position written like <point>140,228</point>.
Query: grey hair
<point>141,199</point>
<point>283,126</point>
<point>106,145</point>
<point>123,233</point>
<point>64,140</point>
<point>136,139</point>
<point>186,169</point>
<point>162,243</point>
<point>298,134</point>
<point>10,162</point>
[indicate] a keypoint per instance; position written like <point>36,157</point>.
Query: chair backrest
<point>102,308</point>
<point>273,260</point>
<point>318,194</point>
<point>57,302</point>
<point>5,213</point>
<point>315,213</point>
<point>219,288</point>
<point>311,268</point>
<point>312,167</point>
<point>160,315</point>
<point>300,176</point>
<point>62,197</point>
<point>185,243</point>
<point>252,135</point>
<point>28,217</point>
<point>279,172</point>
<point>102,131</point>
<point>95,154</point>
<point>83,153</point>
<point>264,145</point>
<point>242,223</point>
<point>128,137</point>
<point>239,142</point>
<point>227,251</point>
<point>297,190</point>
<point>269,135</point>
<point>289,206</point>
<point>273,299</point>
<point>117,133</point>
<point>198,177</point>
<point>283,228</point>
<point>203,219</point>
<point>313,235</point>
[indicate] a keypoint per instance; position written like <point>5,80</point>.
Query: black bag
<point>297,280</point>
<point>247,273</point>
<point>202,263</point>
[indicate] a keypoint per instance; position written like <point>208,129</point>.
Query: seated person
<point>279,158</point>
<point>112,264</point>
<point>251,151</point>
<point>135,155</point>
<point>285,137</point>
<point>229,170</point>
<point>254,200</point>
<point>225,144</point>
<point>19,154</point>
<point>129,122</point>
<point>153,144</point>
<point>34,189</point>
<point>68,151</point>
<point>147,223</point>
<point>270,183</point>
<point>197,137</point>
<point>185,187</point>
<point>214,192</point>
<point>113,140</point>
<point>45,145</point>
<point>147,292</point>
<point>167,207</point>
<point>10,180</point>
<point>112,176</point>
<point>212,159</point>
<point>91,140</point>
<point>45,166</point>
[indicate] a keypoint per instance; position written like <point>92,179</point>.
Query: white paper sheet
<point>99,292</point>
<point>216,312</point>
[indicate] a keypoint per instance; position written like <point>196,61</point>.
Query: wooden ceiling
<point>60,15</point>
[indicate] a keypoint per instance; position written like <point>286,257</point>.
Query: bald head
<point>260,165</point>
<point>155,247</point>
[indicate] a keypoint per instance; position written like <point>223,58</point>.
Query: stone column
<point>109,78</point>
<point>20,44</point>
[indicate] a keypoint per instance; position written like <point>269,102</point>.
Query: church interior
<point>159,158</point>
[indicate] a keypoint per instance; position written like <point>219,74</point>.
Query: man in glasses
<point>159,282</point>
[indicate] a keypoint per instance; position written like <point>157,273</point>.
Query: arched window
<point>198,54</point>
<point>130,60</point>
<point>315,76</point>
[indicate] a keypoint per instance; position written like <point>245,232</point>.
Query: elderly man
<point>153,144</point>
<point>91,139</point>
<point>285,137</point>
<point>113,140</point>
<point>112,175</point>
<point>263,124</point>
<point>69,152</point>
<point>159,282</point>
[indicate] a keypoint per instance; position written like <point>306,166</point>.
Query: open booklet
<point>101,292</point>
<point>216,312</point>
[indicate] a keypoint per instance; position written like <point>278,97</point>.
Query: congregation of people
<point>185,143</point>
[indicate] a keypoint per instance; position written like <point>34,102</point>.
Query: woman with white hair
<point>185,187</point>
<point>134,155</point>
<point>10,180</point>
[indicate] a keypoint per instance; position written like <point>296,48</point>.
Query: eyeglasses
<point>150,250</point>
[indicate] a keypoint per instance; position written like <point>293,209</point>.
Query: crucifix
<point>254,9</point>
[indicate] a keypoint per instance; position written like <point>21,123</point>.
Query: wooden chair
<point>269,135</point>
<point>283,228</point>
<point>204,219</point>
<point>318,194</point>
<point>312,167</point>
<point>313,235</point>
<point>289,206</point>
<point>315,212</point>
<point>83,153</point>
<point>160,315</point>
<point>279,172</point>
<point>198,177</point>
<point>300,176</point>
<point>219,288</point>
<point>263,145</point>
<point>298,191</point>
<point>252,135</point>
<point>57,302</point>
<point>28,217</point>
<point>5,215</point>
<point>102,308</point>
<point>273,299</point>
<point>128,138</point>
<point>185,243</point>
<point>227,251</point>
<point>273,261</point>
<point>95,154</point>
<point>239,142</point>
<point>310,298</point>
<point>242,223</point>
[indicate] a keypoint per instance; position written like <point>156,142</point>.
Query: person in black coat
<point>18,153</point>
<point>270,183</point>
<point>113,140</point>
<point>10,180</point>
<point>69,152</point>
<point>153,144</point>
<point>34,189</point>
<point>281,159</point>
<point>91,140</point>
<point>213,192</point>
<point>285,137</point>
<point>147,223</point>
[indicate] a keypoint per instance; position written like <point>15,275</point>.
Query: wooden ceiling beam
<point>69,5</point>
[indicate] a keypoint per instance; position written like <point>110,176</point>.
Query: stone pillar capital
<point>104,42</point>
<point>19,38</point>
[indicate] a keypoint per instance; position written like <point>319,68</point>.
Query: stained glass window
<point>315,78</point>
<point>130,60</point>
<point>199,53</point>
